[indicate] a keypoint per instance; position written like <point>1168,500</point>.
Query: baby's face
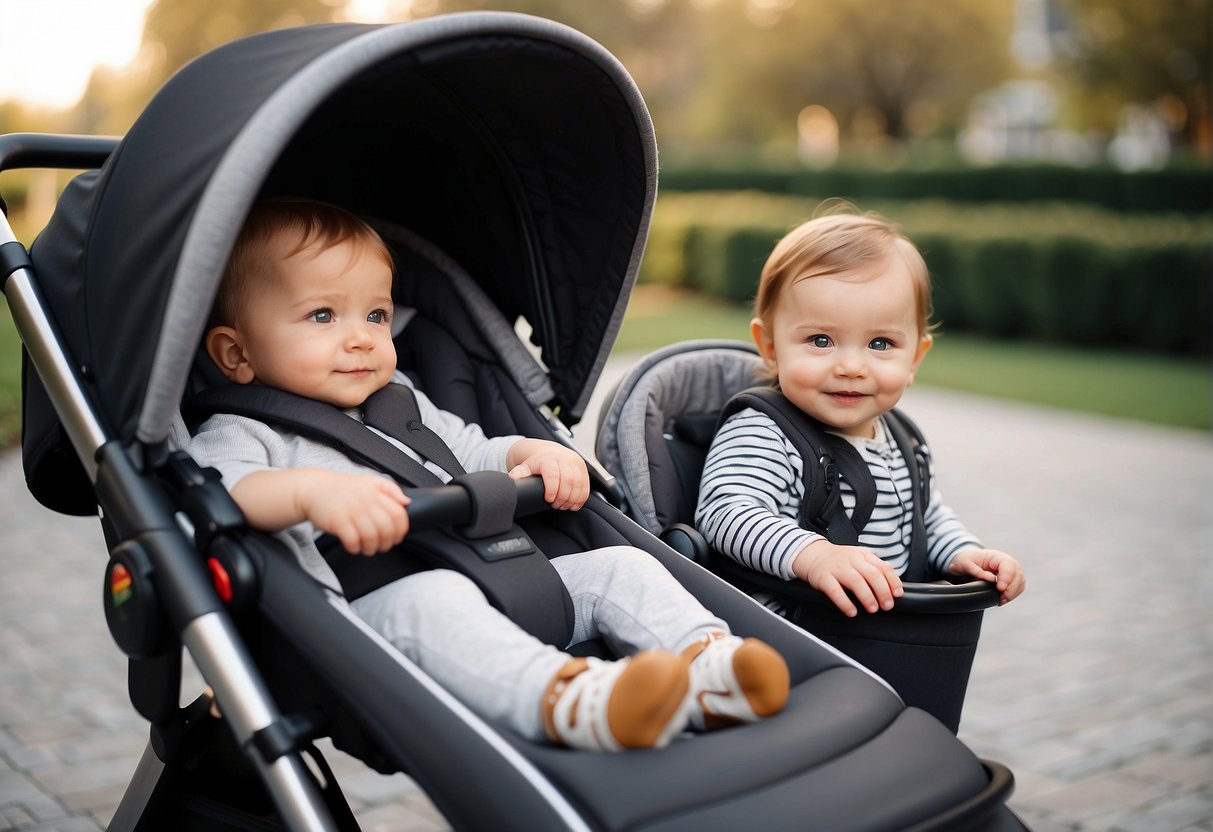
<point>320,327</point>
<point>845,347</point>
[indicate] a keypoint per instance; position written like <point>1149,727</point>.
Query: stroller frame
<point>203,625</point>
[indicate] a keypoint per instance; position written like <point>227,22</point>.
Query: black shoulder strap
<point>826,458</point>
<point>914,450</point>
<point>393,410</point>
<point>316,420</point>
<point>512,583</point>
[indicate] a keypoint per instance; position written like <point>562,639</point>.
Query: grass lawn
<point>1162,389</point>
<point>10,379</point>
<point>1166,390</point>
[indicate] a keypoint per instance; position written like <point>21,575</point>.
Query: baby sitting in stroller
<point>305,306</point>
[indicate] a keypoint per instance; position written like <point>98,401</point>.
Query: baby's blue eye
<point>820,341</point>
<point>880,344</point>
<point>379,316</point>
<point>321,316</point>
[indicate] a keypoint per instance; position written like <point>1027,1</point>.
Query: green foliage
<point>722,261</point>
<point>1124,383</point>
<point>10,379</point>
<point>741,71</point>
<point>1051,272</point>
<point>737,73</point>
<point>13,189</point>
<point>1155,54</point>
<point>1142,292</point>
<point>174,33</point>
<point>1127,384</point>
<point>1168,189</point>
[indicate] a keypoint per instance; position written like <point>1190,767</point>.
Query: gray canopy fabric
<point>688,377</point>
<point>517,145</point>
<point>526,373</point>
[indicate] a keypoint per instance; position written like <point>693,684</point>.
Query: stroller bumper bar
<point>48,150</point>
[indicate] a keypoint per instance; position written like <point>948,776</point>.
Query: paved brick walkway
<point>1096,687</point>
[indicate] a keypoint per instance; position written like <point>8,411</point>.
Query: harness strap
<point>914,448</point>
<point>853,469</point>
<point>498,556</point>
<point>826,459</point>
<point>393,409</point>
<point>822,510</point>
<point>315,420</point>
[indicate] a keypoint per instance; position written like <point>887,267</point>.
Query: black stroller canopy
<point>515,144</point>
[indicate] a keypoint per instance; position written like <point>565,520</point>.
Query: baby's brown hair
<point>835,243</point>
<point>310,221</point>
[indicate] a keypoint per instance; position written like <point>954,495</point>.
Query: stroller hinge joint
<point>204,499</point>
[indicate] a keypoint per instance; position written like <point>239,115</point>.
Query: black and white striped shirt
<point>753,485</point>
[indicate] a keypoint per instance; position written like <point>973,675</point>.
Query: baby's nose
<point>360,337</point>
<point>850,365</point>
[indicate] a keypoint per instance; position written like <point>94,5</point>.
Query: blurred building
<point>1019,120</point>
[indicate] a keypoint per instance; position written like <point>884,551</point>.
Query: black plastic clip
<point>13,256</point>
<point>203,498</point>
<point>833,494</point>
<point>286,735</point>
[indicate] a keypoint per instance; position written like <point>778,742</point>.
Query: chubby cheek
<point>801,373</point>
<point>894,379</point>
<point>798,383</point>
<point>889,394</point>
<point>302,363</point>
<point>300,355</point>
<point>388,353</point>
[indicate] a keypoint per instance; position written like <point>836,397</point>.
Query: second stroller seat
<point>654,433</point>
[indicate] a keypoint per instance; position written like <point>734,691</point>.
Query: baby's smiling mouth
<point>847,396</point>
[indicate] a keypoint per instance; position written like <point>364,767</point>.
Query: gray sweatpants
<point>443,623</point>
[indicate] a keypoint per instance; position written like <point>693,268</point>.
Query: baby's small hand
<point>366,513</point>
<point>994,566</point>
<point>566,481</point>
<point>833,569</point>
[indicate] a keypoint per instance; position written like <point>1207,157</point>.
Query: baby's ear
<point>764,342</point>
<point>924,346</point>
<point>224,346</point>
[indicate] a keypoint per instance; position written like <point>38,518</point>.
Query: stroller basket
<point>654,433</point>
<point>511,164</point>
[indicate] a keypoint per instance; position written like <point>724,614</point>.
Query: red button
<point>223,581</point>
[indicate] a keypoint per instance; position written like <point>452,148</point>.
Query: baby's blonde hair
<point>308,222</point>
<point>836,243</point>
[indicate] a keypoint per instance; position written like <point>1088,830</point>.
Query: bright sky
<point>48,48</point>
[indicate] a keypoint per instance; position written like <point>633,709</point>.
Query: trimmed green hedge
<point>1055,273</point>
<point>1188,189</point>
<point>13,192</point>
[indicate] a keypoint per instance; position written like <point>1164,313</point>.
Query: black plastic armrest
<point>929,598</point>
<point>687,541</point>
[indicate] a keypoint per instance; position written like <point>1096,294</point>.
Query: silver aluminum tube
<point>138,792</point>
<point>246,705</point>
